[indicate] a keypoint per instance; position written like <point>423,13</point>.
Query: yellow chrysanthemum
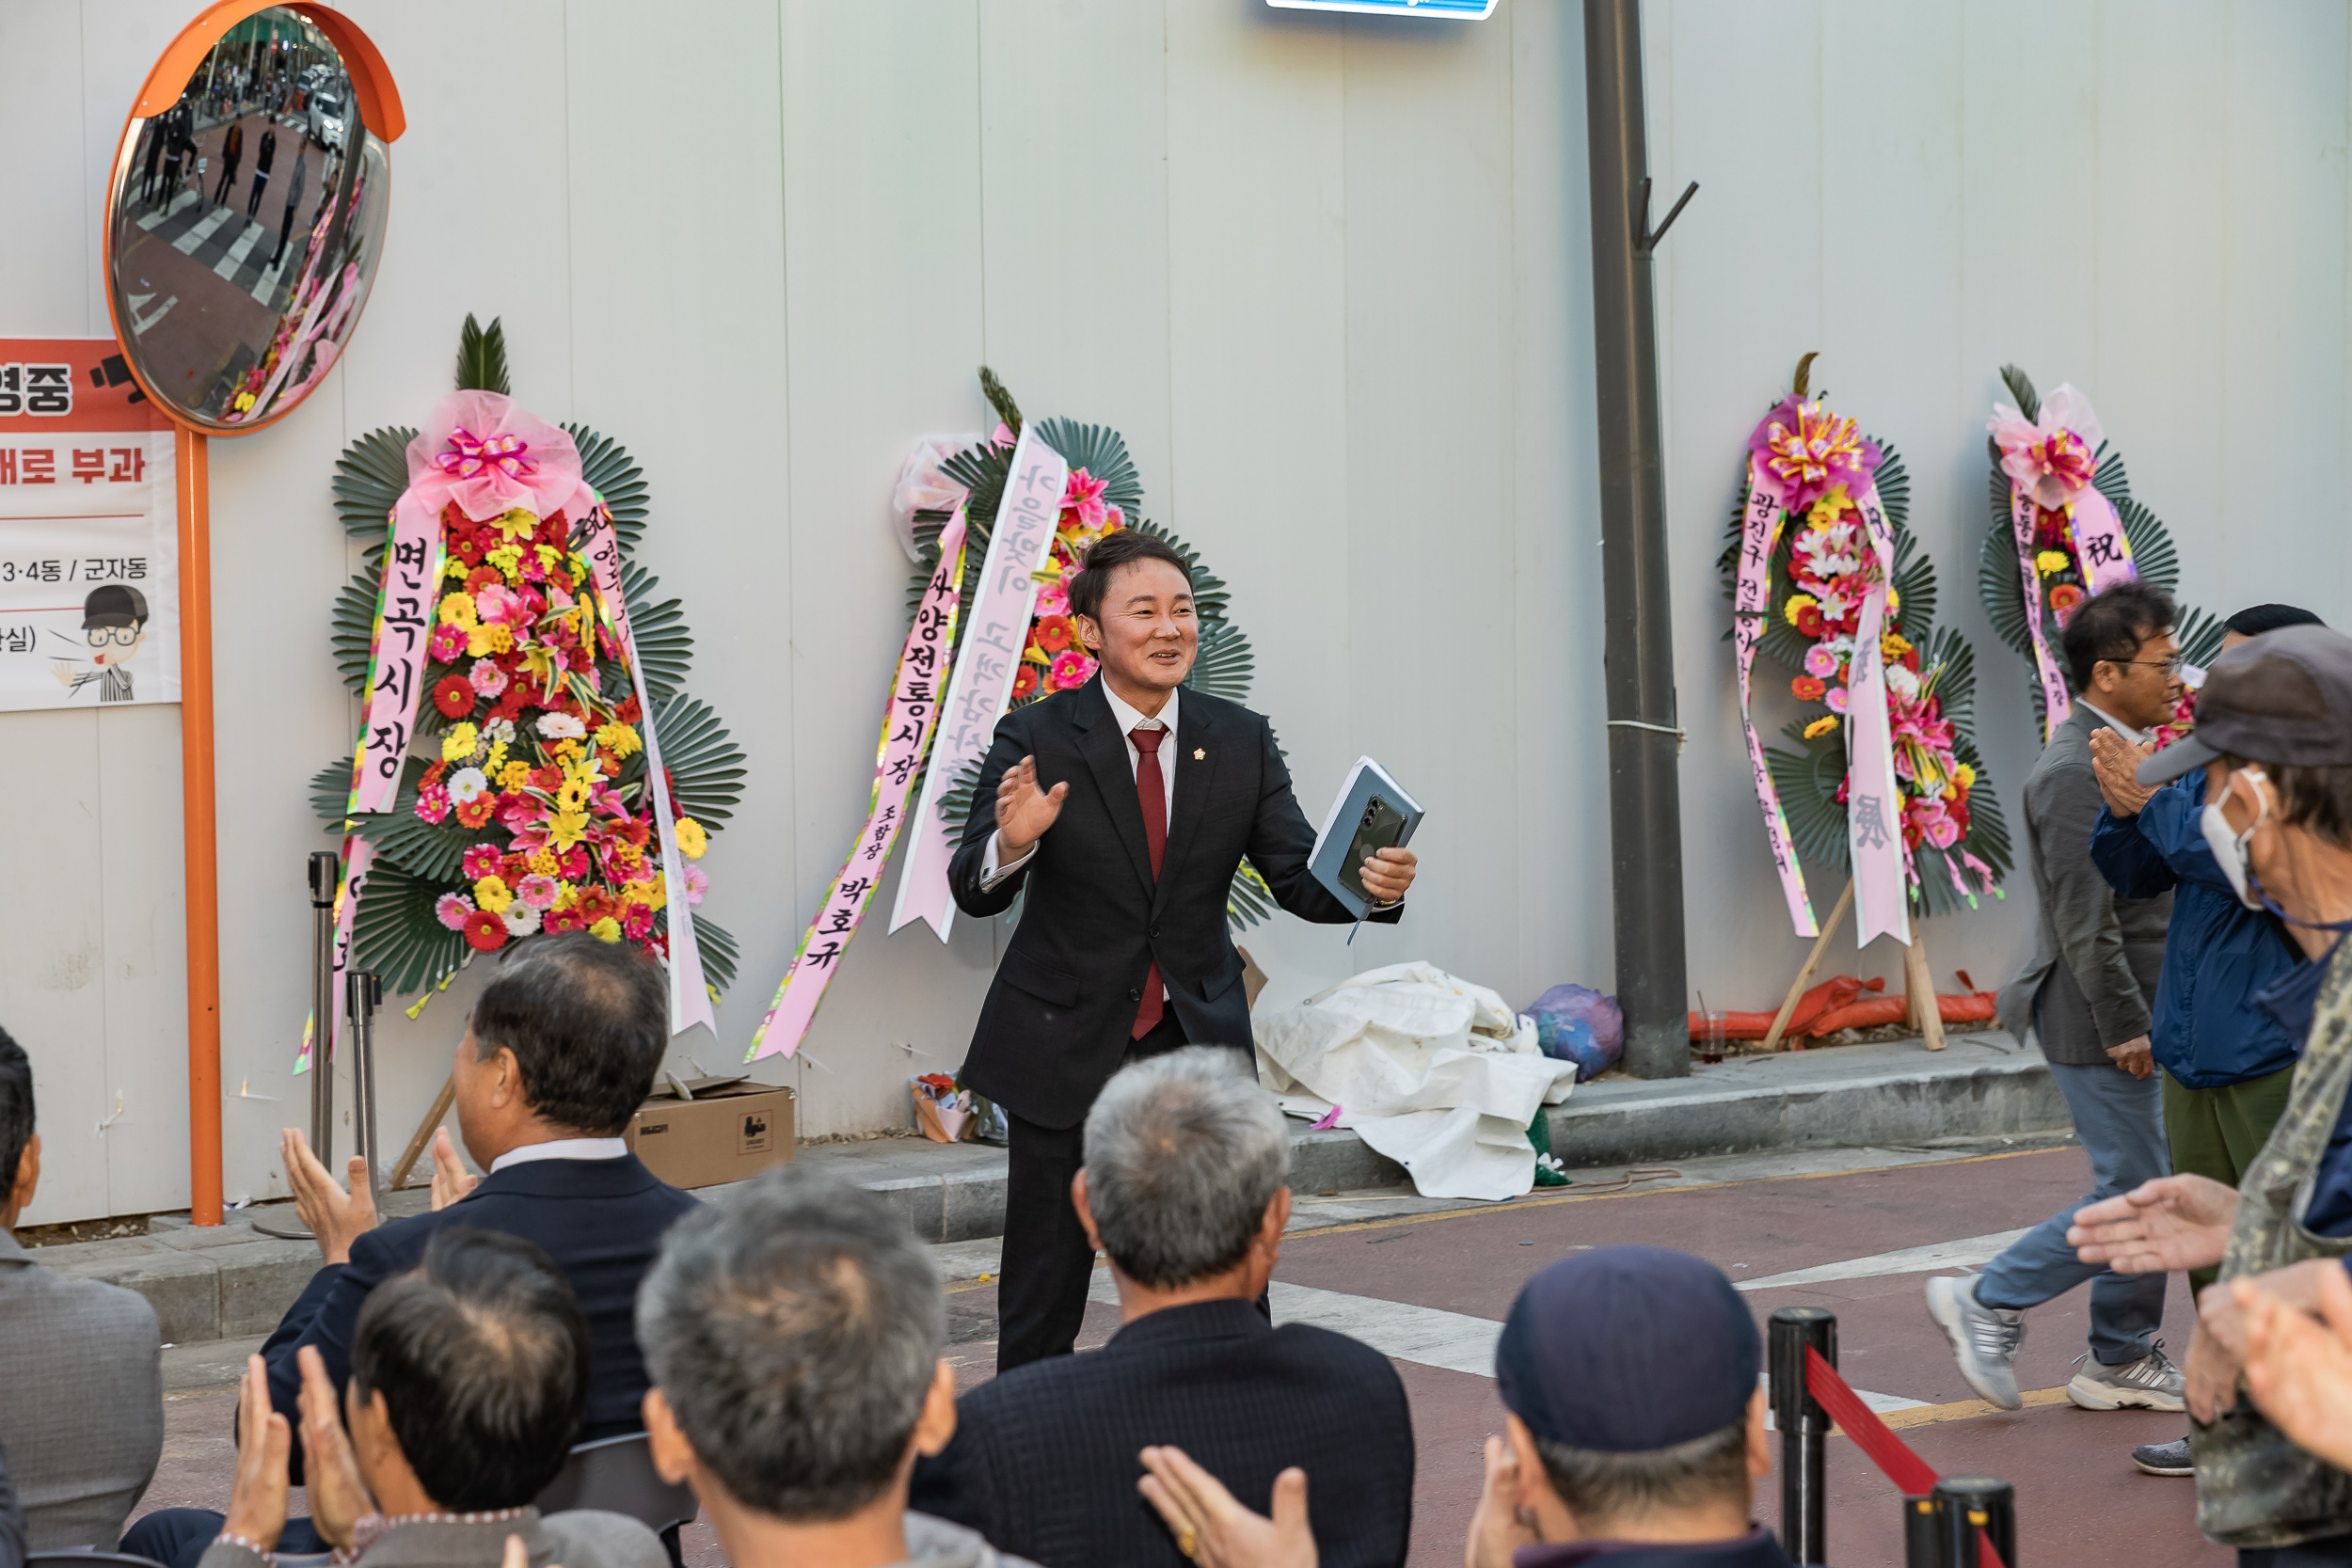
<point>508,558</point>
<point>457,610</point>
<point>513,778</point>
<point>692,840</point>
<point>625,853</point>
<point>566,749</point>
<point>1798,602</point>
<point>566,827</point>
<point>1893,645</point>
<point>620,740</point>
<point>489,640</point>
<point>492,893</point>
<point>606,930</point>
<point>549,555</point>
<point>455,567</point>
<point>541,860</point>
<point>1820,726</point>
<point>579,564</point>
<point>459,743</point>
<point>2051,560</point>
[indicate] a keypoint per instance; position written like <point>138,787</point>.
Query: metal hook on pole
<point>1645,238</point>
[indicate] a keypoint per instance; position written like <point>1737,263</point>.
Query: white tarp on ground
<point>1431,1071</point>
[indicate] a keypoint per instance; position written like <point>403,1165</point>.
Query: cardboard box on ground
<point>707,1130</point>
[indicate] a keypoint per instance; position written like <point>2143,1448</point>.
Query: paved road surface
<point>1430,1288</point>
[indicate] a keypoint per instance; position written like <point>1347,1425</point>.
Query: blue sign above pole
<point>1460,10</point>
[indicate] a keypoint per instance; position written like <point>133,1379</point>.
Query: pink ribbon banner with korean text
<point>995,628</point>
<point>910,724</point>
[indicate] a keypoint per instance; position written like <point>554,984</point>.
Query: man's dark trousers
<point>1041,1292</point>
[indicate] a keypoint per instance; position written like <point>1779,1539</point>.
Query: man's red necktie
<point>1152,794</point>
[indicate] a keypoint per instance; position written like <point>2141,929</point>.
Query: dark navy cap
<point>1627,1349</point>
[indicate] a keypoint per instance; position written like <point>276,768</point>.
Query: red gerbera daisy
<point>476,813</point>
<point>1025,683</point>
<point>1054,633</point>
<point>1807,688</point>
<point>455,696</point>
<point>484,932</point>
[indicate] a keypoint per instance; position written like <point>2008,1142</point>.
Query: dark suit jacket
<point>1045,1459</point>
<point>600,1220</point>
<point>1058,1017</point>
<point>2099,953</point>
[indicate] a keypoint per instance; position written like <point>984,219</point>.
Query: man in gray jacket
<point>81,1364</point>
<point>2087,995</point>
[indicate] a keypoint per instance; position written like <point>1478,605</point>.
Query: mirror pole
<point>197,826</point>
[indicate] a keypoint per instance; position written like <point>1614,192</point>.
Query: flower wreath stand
<point>529,760</point>
<point>1827,581</point>
<point>2064,526</point>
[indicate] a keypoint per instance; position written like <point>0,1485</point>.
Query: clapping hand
<point>1023,811</point>
<point>451,1180</point>
<point>335,1216</point>
<point>2300,1369</point>
<point>257,1500</point>
<point>2174,1222</point>
<point>338,1495</point>
<point>1498,1528</point>
<point>1213,1529</point>
<point>2116,761</point>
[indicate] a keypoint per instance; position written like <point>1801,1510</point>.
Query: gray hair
<point>795,1328</point>
<point>1599,1487</point>
<point>1182,1154</point>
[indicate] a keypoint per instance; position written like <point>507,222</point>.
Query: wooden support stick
<point>1811,963</point>
<point>424,1134</point>
<point>1919,985</point>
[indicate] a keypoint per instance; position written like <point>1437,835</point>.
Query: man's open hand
<point>335,1216</point>
<point>451,1180</point>
<point>2174,1222</point>
<point>1212,1528</point>
<point>1023,811</point>
<point>339,1496</point>
<point>2116,761</point>
<point>1388,873</point>
<point>2299,1368</point>
<point>257,1498</point>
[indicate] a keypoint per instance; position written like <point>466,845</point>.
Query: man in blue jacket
<point>2226,1064</point>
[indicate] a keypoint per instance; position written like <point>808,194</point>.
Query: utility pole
<point>1645,731</point>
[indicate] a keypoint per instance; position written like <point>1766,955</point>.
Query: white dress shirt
<point>2138,737</point>
<point>562,1148</point>
<point>1128,719</point>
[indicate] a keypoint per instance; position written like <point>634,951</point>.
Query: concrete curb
<point>232,1281</point>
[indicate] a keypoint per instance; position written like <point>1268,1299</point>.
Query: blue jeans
<point>2120,1119</point>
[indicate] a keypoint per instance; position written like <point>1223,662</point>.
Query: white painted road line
<point>1427,1336</point>
<point>1966,1252</point>
<point>187,243</point>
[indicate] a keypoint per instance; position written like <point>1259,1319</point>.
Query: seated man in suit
<point>1185,1161</point>
<point>468,1378</point>
<point>562,1049</point>
<point>794,1334</point>
<point>81,1363</point>
<point>1635,1436</point>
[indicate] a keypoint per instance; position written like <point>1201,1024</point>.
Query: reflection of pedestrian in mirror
<point>231,154</point>
<point>294,198</point>
<point>261,160</point>
<point>114,623</point>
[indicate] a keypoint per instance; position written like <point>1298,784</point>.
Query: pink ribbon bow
<point>466,454</point>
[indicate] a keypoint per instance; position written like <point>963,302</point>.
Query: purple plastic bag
<point>1574,1023</point>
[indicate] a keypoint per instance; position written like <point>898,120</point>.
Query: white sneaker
<point>1984,1338</point>
<point>2151,1382</point>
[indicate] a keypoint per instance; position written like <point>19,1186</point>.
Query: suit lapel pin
<point>1199,754</point>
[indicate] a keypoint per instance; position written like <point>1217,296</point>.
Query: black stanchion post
<point>1970,1504</point>
<point>1923,1532</point>
<point>363,991</point>
<point>324,866</point>
<point>1804,1426</point>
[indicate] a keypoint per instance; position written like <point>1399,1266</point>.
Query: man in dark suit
<point>2087,997</point>
<point>1183,1186</point>
<point>1124,809</point>
<point>561,1052</point>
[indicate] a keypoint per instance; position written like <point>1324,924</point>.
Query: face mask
<point>2228,848</point>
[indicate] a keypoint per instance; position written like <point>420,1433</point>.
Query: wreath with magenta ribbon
<point>2065,525</point>
<point>524,799</point>
<point>1820,533</point>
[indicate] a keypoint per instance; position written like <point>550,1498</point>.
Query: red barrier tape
<point>1912,1475</point>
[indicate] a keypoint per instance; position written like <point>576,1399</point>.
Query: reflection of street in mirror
<point>246,219</point>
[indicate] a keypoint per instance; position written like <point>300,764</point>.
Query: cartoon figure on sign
<point>114,624</point>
